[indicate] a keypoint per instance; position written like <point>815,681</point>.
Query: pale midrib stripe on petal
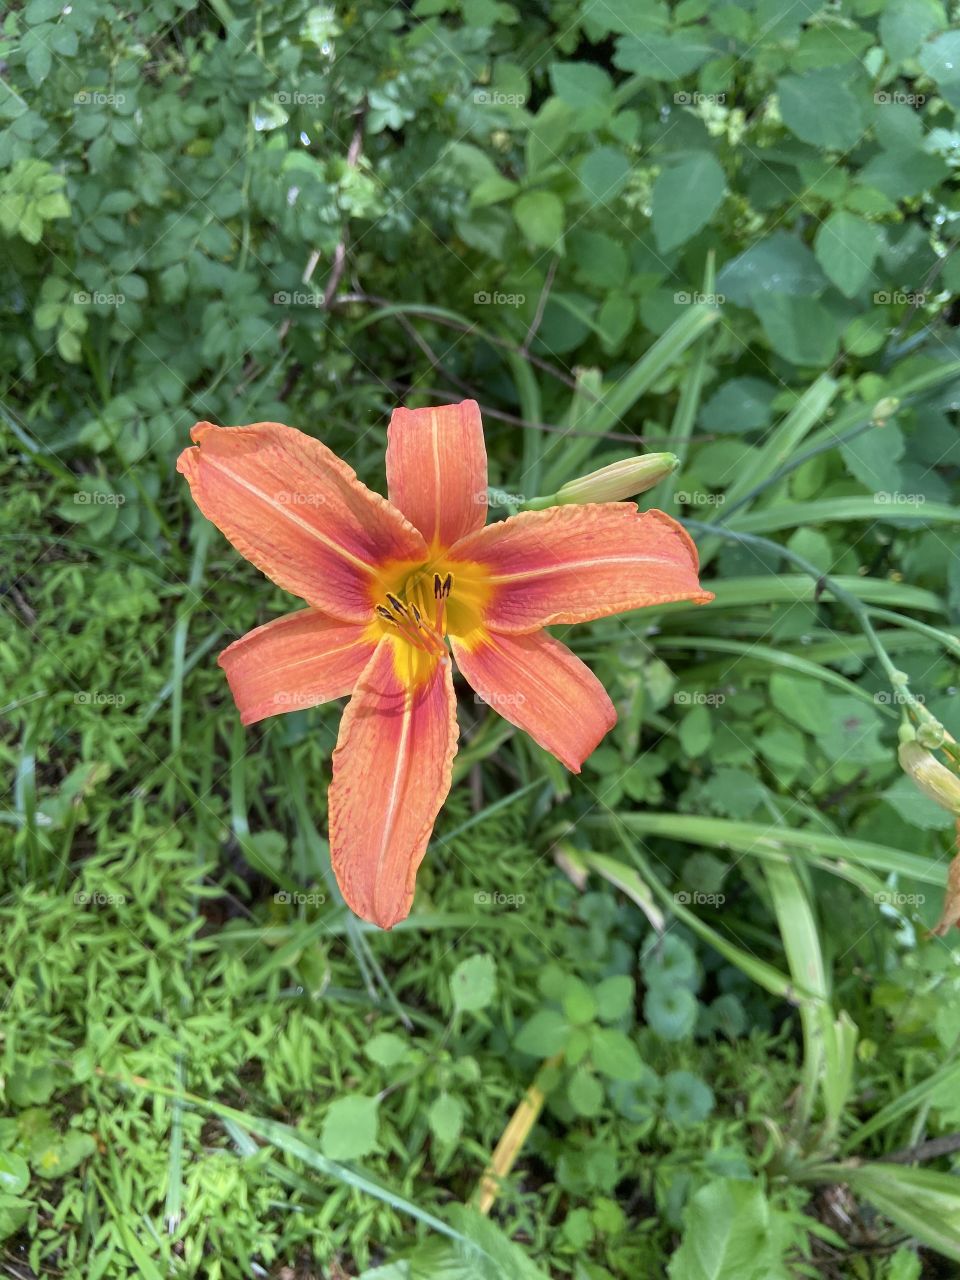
<point>574,566</point>
<point>437,492</point>
<point>390,819</point>
<point>284,510</point>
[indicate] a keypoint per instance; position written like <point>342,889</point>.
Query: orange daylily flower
<point>389,585</point>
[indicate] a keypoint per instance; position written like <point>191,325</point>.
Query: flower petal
<point>391,774</point>
<point>296,661</point>
<point>537,684</point>
<point>571,564</point>
<point>297,512</point>
<point>437,470</point>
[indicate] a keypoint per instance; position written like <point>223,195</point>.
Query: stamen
<point>447,585</point>
<point>385,613</point>
<point>437,586</point>
<point>397,605</point>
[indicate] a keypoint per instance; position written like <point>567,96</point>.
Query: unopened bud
<point>620,480</point>
<point>931,777</point>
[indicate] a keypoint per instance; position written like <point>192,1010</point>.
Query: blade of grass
<point>772,842</point>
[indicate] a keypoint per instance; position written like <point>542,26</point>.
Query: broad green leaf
<point>474,983</point>
<point>846,247</point>
<point>822,109</point>
<point>685,196</point>
<point>350,1128</point>
<point>539,215</point>
<point>726,1235</point>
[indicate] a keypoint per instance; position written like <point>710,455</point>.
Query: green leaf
<point>543,1035</point>
<point>14,1173</point>
<point>670,1011</point>
<point>614,1054</point>
<point>846,248</point>
<point>474,983</point>
<point>603,174</point>
<point>820,108</point>
<point>904,26</point>
<point>445,1118</point>
<point>386,1049</point>
<point>539,216</point>
<point>350,1128</point>
<point>581,85</point>
<point>726,1235</point>
<point>677,215</point>
<point>585,1092</point>
<point>802,330</point>
<point>614,997</point>
<point>661,57</point>
<point>687,1100</point>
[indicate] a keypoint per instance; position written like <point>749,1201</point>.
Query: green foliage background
<point>725,230</point>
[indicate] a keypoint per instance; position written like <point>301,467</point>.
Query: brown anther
<point>397,605</point>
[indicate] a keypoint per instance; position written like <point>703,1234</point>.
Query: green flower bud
<point>619,480</point>
<point>930,776</point>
